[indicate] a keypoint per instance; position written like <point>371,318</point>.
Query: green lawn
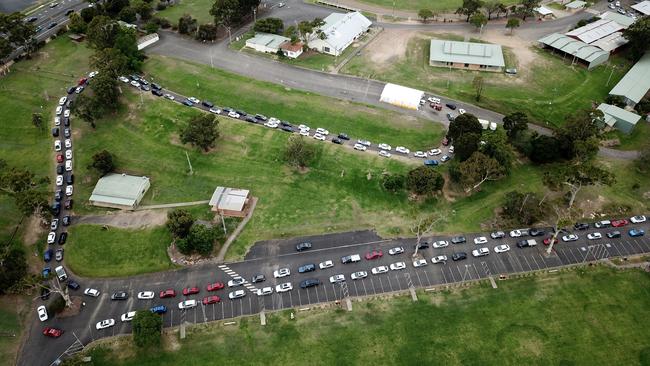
<point>415,5</point>
<point>548,92</point>
<point>9,325</point>
<point>594,316</point>
<point>198,9</point>
<point>635,140</point>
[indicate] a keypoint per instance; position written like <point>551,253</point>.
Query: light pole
<point>610,75</point>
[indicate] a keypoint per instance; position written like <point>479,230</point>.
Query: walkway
<point>171,205</point>
<point>224,249</point>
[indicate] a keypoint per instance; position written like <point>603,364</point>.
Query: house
<point>577,50</point>
<point>543,12</point>
<point>642,7</point>
<point>575,5</point>
<point>619,118</point>
<point>291,50</point>
<point>266,42</point>
<point>338,32</point>
<point>636,83</point>
<point>466,55</point>
<point>230,201</point>
<point>119,191</point>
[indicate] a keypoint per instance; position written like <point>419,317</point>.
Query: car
<point>282,272</point>
<point>207,104</point>
<point>252,120</point>
<point>397,266</point>
<point>54,224</point>
<point>359,275</point>
<point>581,226</point>
<point>379,270</point>
<point>190,291</point>
<point>42,313</point>
<point>364,142</point>
<point>68,143</point>
<point>350,258</point>
<point>384,154</point>
<point>123,79</point>
<point>636,232</point>
<point>547,241</point>
<point>63,237</point>
<point>47,255</point>
<point>68,165</point>
<point>52,332</point>
<point>451,116</point>
<point>127,317</point>
<point>68,191</point>
<point>638,219</point>
<point>480,252</point>
<point>614,234</point>
<point>211,300</point>
<point>68,154</point>
<point>309,283</point>
<point>187,102</point>
<point>167,293</point>
<point>594,236</point>
<point>375,254</point>
<point>359,147</point>
<point>383,146</point>
<point>46,272</point>
<point>270,124</point>
<point>57,121</point>
<point>66,220</point>
<point>233,114</point>
<point>439,259</point>
<point>58,255</point>
<point>602,224</point>
<point>516,233</point>
<point>135,83</point>
<point>402,150</point>
<point>258,278</point>
<point>433,152</point>
<point>56,208</point>
<point>284,287</point>
<point>169,96</point>
<point>119,295</point>
<point>322,131</point>
<point>420,263</point>
<point>66,132</point>
<point>480,240</point>
<point>265,291</point>
<point>57,145</point>
<point>215,286</point>
<point>431,162</point>
<point>62,100</point>
<point>498,235</point>
<point>458,256</point>
<point>337,278</point>
<point>187,304</point>
<point>536,232</point>
<point>58,195</point>
<point>619,223</point>
<point>260,117</point>
<point>91,292</point>
<point>73,285</point>
<point>420,154</point>
<point>144,87</point>
<point>55,132</point>
<point>78,90</point>
<point>67,204</point>
<point>445,158</point>
<point>159,309</point>
<point>148,295</point>
<point>422,245</point>
<point>396,250</point>
<point>310,267</point>
<point>336,141</point>
<point>51,237</point>
<point>58,110</point>
<point>31,19</point>
<point>458,240</point>
<point>302,127</point>
<point>570,237</point>
<point>440,244</point>
<point>241,113</point>
<point>237,281</point>
<point>319,137</point>
<point>343,136</point>
<point>461,111</point>
<point>501,248</point>
<point>451,106</point>
<point>303,133</point>
<point>92,74</point>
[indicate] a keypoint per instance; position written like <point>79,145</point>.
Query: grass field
<point>10,329</point>
<point>580,317</point>
<point>198,9</point>
<point>639,137</point>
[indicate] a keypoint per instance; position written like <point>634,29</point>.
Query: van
<point>60,273</point>
<point>350,258</point>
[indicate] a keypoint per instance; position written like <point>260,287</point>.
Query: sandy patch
<point>128,220</point>
<point>389,46</point>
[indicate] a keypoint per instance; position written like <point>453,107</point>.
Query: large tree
<point>425,14</point>
<point>424,181</point>
<point>495,145</point>
<point>527,8</point>
<point>101,32</point>
<point>207,32</point>
<point>109,61</point>
<point>524,208</point>
<point>127,43</point>
<point>187,24</point>
<point>638,36</point>
<point>491,7</point>
<point>514,123</point>
<point>269,25</point>
<point>226,13</point>
<point>469,7</point>
<point>87,108</point>
<point>14,33</point>
<point>580,135</point>
<point>462,124</point>
<point>478,20</point>
<point>179,222</point>
<point>102,161</point>
<point>77,23</point>
<point>146,328</point>
<point>545,149</point>
<point>512,24</point>
<point>575,175</point>
<point>201,131</point>
<point>13,267</point>
<point>466,145</point>
<point>106,93</point>
<point>298,152</point>
<point>478,169</point>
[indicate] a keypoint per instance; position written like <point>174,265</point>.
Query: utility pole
<point>610,75</point>
<point>189,163</point>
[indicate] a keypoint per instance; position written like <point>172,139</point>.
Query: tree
<point>207,32</point>
<point>179,222</point>
<point>147,328</point>
<point>269,25</point>
<point>425,14</point>
<point>502,9</point>
<point>616,100</point>
<point>642,162</point>
<point>56,305</point>
<point>464,123</point>
<point>152,27</point>
<point>109,61</point>
<point>477,82</point>
<point>466,145</point>
<point>522,208</point>
<point>469,7</point>
<point>512,24</point>
<point>87,108</point>
<point>478,19</point>
<point>423,226</point>
<point>87,14</point>
<point>144,9</point>
<point>424,181</point>
<point>15,33</point>
<point>106,94</point>
<point>298,152</point>
<point>226,13</point>
<point>37,120</point>
<point>77,23</point>
<point>201,239</point>
<point>32,201</point>
<point>514,123</point>
<point>187,24</point>
<point>393,182</point>
<point>102,162</point>
<point>544,149</point>
<point>528,8</point>
<point>638,35</point>
<point>478,169</point>
<point>491,7</point>
<point>292,32</point>
<point>113,7</point>
<point>202,131</point>
<point>101,32</point>
<point>497,147</point>
<point>576,175</point>
<point>127,43</point>
<point>13,267</point>
<point>580,135</point>
<point>128,15</point>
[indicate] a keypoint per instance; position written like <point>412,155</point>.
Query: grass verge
<point>10,328</point>
<point>198,9</point>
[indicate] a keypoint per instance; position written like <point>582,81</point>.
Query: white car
<point>215,110</point>
<point>515,233</point>
<point>384,153</point>
<point>146,295</point>
<point>169,96</point>
<point>433,100</point>
<point>337,278</point>
<point>124,79</point>
<point>605,223</point>
<point>359,275</point>
<point>304,133</point>
<point>403,150</point>
<point>92,74</point>
<point>445,158</point>
<point>68,154</point>
<point>480,252</point>
<point>79,89</point>
<point>59,110</point>
<point>364,142</point>
<point>451,149</point>
<point>480,240</point>
<point>322,131</point>
<point>105,324</point>
<point>127,317</point>
<point>570,237</point>
<point>461,111</point>
<point>326,264</point>
<point>420,263</point>
<point>273,120</point>
<point>68,143</point>
<point>135,83</point>
<point>282,272</point>
<point>57,145</point>
<point>59,180</point>
<point>63,100</point>
<point>54,224</point>
<point>236,294</point>
<point>397,266</point>
<point>91,292</point>
<point>439,259</point>
<point>501,248</point>
<point>233,114</point>
<point>187,304</point>
<point>284,287</point>
<point>68,165</point>
<point>57,121</point>
<point>42,313</point>
<point>433,152</point>
<point>440,244</point>
<point>51,237</point>
<point>303,127</point>
<point>68,190</point>
<point>638,219</point>
<point>384,147</point>
<point>420,154</point>
<point>265,291</point>
<point>319,137</point>
<point>359,147</point>
<point>594,236</point>
<point>66,113</point>
<point>194,100</point>
<point>237,281</point>
<point>270,124</point>
<point>379,270</point>
<point>396,250</point>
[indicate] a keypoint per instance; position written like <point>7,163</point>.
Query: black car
<point>58,195</point>
<point>66,132</point>
<point>32,19</point>
<point>498,235</point>
<point>458,240</point>
<point>242,113</point>
<point>69,179</point>
<point>451,106</point>
<point>581,226</point>
<point>343,136</point>
<point>56,208</point>
<point>309,283</point>
<point>258,278</point>
<point>120,295</point>
<point>303,246</point>
<point>66,121</point>
<point>423,245</point>
<point>261,117</point>
<point>157,92</point>
<point>52,25</point>
<point>73,285</point>
<point>226,110</point>
<point>337,141</point>
<point>67,205</point>
<point>250,119</point>
<point>285,123</point>
<point>66,220</point>
<point>63,237</point>
<point>614,234</point>
<point>155,86</point>
<point>536,232</point>
<point>144,87</point>
<point>60,169</point>
<point>55,132</point>
<point>45,293</point>
<point>207,104</point>
<point>188,103</point>
<point>69,11</point>
<point>287,129</point>
<point>70,102</point>
<point>310,267</point>
<point>71,89</point>
<point>459,256</point>
<point>143,82</point>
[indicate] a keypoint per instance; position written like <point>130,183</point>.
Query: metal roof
<point>401,96</point>
<point>576,4</point>
<point>642,7</point>
<point>267,40</point>
<point>572,46</point>
<point>466,52</point>
<point>613,113</point>
<point>543,10</point>
<point>232,199</point>
<point>623,20</point>
<point>595,31</point>
<point>119,189</point>
<point>341,29</point>
<point>635,84</point>
<point>611,42</point>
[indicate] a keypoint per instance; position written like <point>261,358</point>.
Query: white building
<point>340,31</point>
<point>291,50</point>
<point>266,42</point>
<point>401,96</point>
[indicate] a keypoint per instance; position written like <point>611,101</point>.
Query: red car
<point>59,158</point>
<point>547,241</point>
<point>82,81</point>
<point>52,332</point>
<point>374,254</point>
<point>167,293</point>
<point>619,223</point>
<point>215,286</point>
<point>445,141</point>
<point>190,291</point>
<point>211,299</point>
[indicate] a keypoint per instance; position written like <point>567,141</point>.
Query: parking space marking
<point>644,245</point>
<point>365,292</point>
<point>628,248</point>
<point>637,244</point>
<point>299,299</point>
<point>290,300</point>
<point>527,263</point>
<point>516,257</point>
<point>537,264</point>
<point>574,257</point>
<point>476,270</point>
<point>389,284</point>
<point>418,276</point>
<point>427,277</point>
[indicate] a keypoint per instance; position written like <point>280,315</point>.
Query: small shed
<point>230,201</point>
<point>619,118</point>
<point>575,5</point>
<point>401,96</point>
<point>544,12</point>
<point>119,191</point>
<point>266,42</point>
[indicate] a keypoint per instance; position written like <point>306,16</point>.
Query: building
<point>575,5</point>
<point>339,30</point>
<point>543,12</point>
<point>466,55</point>
<point>623,20</point>
<point>291,50</point>
<point>401,96</point>
<point>635,84</point>
<point>147,40</point>
<point>230,201</point>
<point>266,42</point>
<point>619,118</point>
<point>119,191</point>
<point>587,54</point>
<point>642,7</point>
<point>595,30</point>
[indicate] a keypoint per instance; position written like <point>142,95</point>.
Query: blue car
<point>636,232</point>
<point>187,103</point>
<point>47,256</point>
<point>431,162</point>
<point>160,309</point>
<point>46,272</point>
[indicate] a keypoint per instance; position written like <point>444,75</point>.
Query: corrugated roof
<point>611,42</point>
<point>635,84</point>
<point>612,111</point>
<point>642,7</point>
<point>621,19</point>
<point>232,199</point>
<point>268,40</point>
<point>341,29</point>
<point>401,96</point>
<point>543,10</point>
<point>595,31</point>
<point>572,46</point>
<point>576,4</point>
<point>466,52</point>
<point>120,189</point>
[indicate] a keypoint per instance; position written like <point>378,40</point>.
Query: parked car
<point>258,278</point>
<point>359,275</point>
<point>439,259</point>
<point>52,332</point>
<point>397,266</point>
<point>419,263</point>
<point>215,286</point>
<point>159,309</point>
<point>396,250</point>
<point>265,291</point>
<point>237,294</point>
<point>594,236</point>
<point>47,255</point>
<point>636,232</point>
<point>337,278</point>
<point>638,219</point>
<point>501,248</point>
<point>498,235</point>
<point>536,232</point>
<point>480,240</point>
<point>191,291</point>
<point>237,281</point>
<point>73,285</point>
<point>211,300</point>
<point>284,287</point>
<point>581,226</point>
<point>42,313</point>
<point>127,317</point>
<point>458,240</point>
<point>120,295</point>
<point>167,293</point>
<point>458,256</point>
<point>91,292</point>
<point>282,272</point>
<point>309,283</point>
<point>480,252</point>
<point>187,304</point>
<point>570,237</point>
<point>148,295</point>
<point>310,267</point>
<point>379,270</point>
<point>350,258</point>
<point>303,246</point>
<point>614,234</point>
<point>603,223</point>
<point>440,244</point>
<point>326,264</point>
<point>619,223</point>
<point>375,254</point>
<point>58,255</point>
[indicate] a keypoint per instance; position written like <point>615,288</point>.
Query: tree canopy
<point>514,123</point>
<point>424,180</point>
<point>102,162</point>
<point>638,36</point>
<point>146,328</point>
<point>478,169</point>
<point>269,25</point>
<point>201,131</point>
<point>573,176</point>
<point>15,32</point>
<point>298,152</point>
<point>462,124</point>
<point>179,222</point>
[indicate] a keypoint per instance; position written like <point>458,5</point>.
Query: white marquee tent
<point>401,96</point>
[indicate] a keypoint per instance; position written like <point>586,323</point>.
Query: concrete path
<point>171,205</point>
<point>224,249</point>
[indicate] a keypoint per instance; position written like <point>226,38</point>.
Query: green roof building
<point>619,118</point>
<point>119,191</point>
<point>466,55</point>
<point>636,83</point>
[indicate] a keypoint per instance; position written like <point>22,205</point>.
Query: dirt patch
<point>73,310</point>
<point>34,229</point>
<point>389,46</point>
<point>127,220</point>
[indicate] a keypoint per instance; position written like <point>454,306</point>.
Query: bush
<point>522,208</point>
<point>424,180</point>
<point>161,6</point>
<point>393,183</point>
<point>147,328</point>
<point>179,222</point>
<point>298,152</point>
<point>199,240</point>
